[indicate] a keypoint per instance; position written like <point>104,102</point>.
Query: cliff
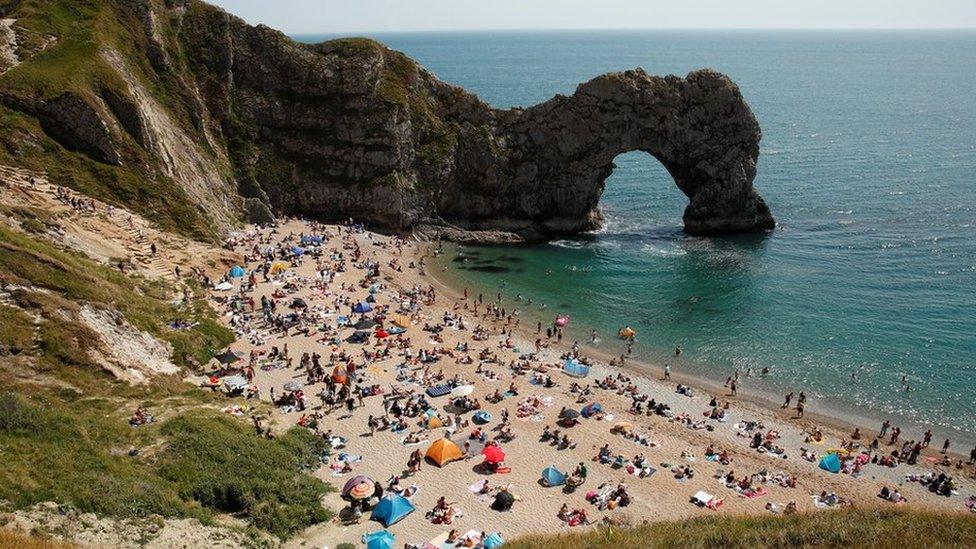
<point>190,111</point>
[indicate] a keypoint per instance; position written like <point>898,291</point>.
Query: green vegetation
<point>71,279</point>
<point>65,436</point>
<point>193,465</point>
<point>10,538</point>
<point>213,463</point>
<point>844,528</point>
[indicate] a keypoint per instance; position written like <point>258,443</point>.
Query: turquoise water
<point>868,162</point>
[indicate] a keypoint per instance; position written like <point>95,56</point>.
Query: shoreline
<point>668,445</point>
<point>832,421</point>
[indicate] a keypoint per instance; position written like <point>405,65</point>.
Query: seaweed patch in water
<point>489,269</point>
<point>510,258</point>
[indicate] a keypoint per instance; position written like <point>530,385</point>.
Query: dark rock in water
<point>489,269</point>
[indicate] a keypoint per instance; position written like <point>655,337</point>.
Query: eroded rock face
<point>350,128</point>
<point>77,124</point>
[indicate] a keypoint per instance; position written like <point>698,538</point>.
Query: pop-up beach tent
<point>574,368</point>
<point>380,539</point>
<point>830,462</point>
<point>236,271</point>
<point>493,541</point>
<point>443,451</point>
<point>392,508</point>
<point>362,307</point>
<point>553,477</point>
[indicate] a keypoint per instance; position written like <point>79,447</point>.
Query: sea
<point>864,296</point>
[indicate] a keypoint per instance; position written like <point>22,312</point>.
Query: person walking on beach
<point>787,399</point>
<point>732,387</point>
<point>945,446</point>
<point>972,456</point>
<point>927,438</point>
<point>667,372</point>
<point>884,429</point>
<point>799,408</point>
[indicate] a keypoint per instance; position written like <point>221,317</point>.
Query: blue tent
<point>574,368</point>
<point>297,250</point>
<point>591,409</point>
<point>362,307</point>
<point>314,239</point>
<point>236,271</point>
<point>391,509</point>
<point>380,539</point>
<point>493,541</point>
<point>481,417</point>
<point>830,462</point>
<point>553,476</point>
<point>370,299</point>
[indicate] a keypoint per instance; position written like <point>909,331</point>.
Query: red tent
<point>381,334</point>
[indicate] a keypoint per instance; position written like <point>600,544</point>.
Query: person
<point>732,387</point>
<point>787,399</point>
<point>667,371</point>
<point>945,446</point>
<point>972,456</point>
<point>799,408</point>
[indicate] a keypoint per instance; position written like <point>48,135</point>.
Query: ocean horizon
<point>867,162</point>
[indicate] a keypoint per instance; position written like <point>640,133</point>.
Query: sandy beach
<point>669,443</point>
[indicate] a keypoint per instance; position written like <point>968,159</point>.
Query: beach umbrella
<point>340,375</point>
<point>380,539</point>
<point>362,307</point>
<point>569,414</point>
<point>553,477</point>
<point>236,271</point>
<point>227,357</point>
<point>493,541</point>
<point>444,451</point>
<point>493,454</point>
<point>293,386</point>
<point>391,509</point>
<point>235,382</point>
<point>503,501</point>
<point>462,391</point>
<point>298,303</point>
<point>297,250</point>
<point>359,487</point>
<point>591,409</point>
<point>381,333</point>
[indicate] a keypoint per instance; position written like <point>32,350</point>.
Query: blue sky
<point>329,16</point>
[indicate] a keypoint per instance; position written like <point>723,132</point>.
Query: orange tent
<point>339,375</point>
<point>434,422</point>
<point>443,451</point>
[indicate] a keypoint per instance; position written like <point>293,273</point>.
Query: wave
<point>670,251</point>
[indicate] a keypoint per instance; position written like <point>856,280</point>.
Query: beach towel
<point>438,390</point>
